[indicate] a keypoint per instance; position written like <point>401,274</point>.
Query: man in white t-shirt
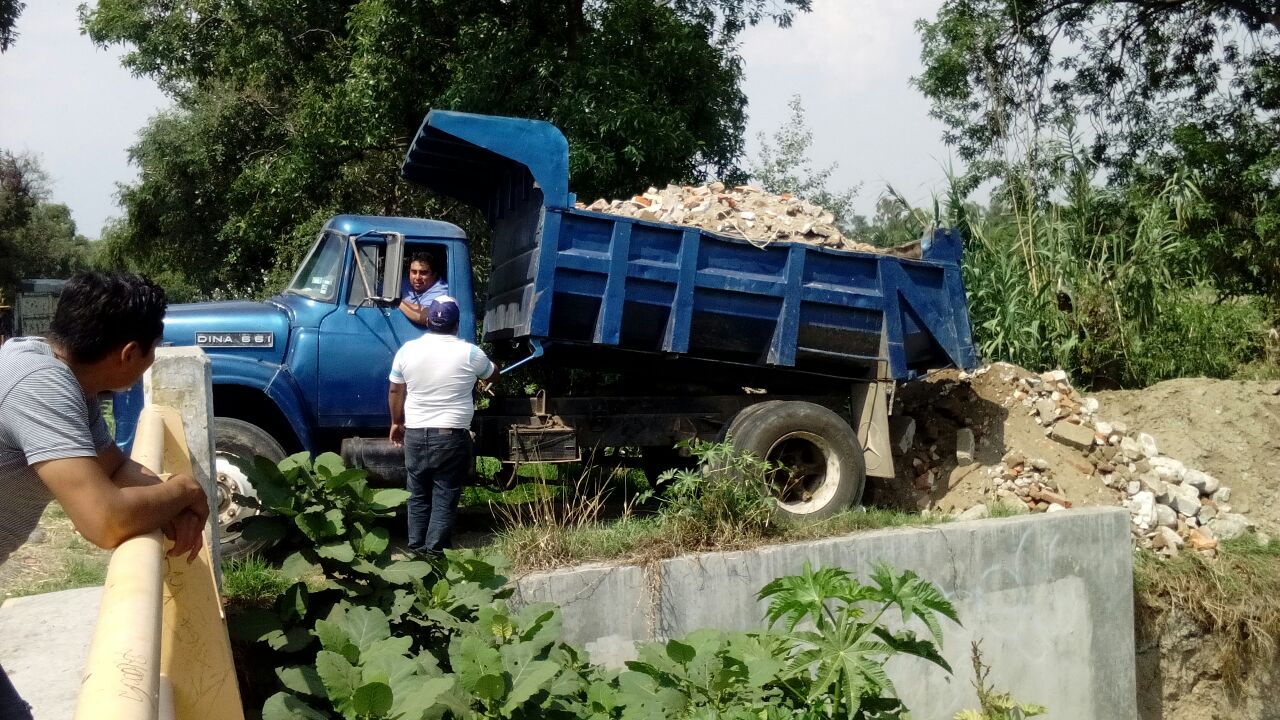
<point>431,409</point>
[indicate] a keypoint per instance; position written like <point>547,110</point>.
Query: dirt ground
<point>1228,429</point>
<point>55,558</point>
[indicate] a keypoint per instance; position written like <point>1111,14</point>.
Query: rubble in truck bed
<point>1003,437</point>
<point>744,212</point>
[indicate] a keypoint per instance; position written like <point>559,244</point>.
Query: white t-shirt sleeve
<point>397,368</point>
<point>479,363</point>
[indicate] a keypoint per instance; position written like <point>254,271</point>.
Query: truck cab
<point>307,367</point>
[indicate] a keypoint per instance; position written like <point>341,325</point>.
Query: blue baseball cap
<point>443,313</point>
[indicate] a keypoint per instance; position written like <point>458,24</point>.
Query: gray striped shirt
<point>44,415</point>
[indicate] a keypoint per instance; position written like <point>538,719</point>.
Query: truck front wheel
<point>236,443</point>
<point>821,470</point>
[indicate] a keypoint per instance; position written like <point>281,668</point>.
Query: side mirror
<point>386,302</point>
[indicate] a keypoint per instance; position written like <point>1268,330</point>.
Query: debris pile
<point>1005,440</point>
<point>1172,506</point>
<point>743,212</point>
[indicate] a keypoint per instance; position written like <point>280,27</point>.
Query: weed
<point>1234,598</point>
<point>555,527</point>
<point>995,705</point>
<point>720,502</point>
<point>252,580</point>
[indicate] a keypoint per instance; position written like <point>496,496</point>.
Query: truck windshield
<point>320,273</point>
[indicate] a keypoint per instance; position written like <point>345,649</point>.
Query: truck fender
<point>274,381</point>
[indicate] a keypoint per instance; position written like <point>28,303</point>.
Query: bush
<point>370,637</point>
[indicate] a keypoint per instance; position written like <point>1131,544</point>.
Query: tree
<point>785,167</point>
<point>37,238</point>
<point>1168,88</point>
<point>286,113</point>
<point>9,12</point>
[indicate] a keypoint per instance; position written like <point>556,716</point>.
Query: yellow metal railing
<point>160,649</point>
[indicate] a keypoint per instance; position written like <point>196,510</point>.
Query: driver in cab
<point>425,285</point>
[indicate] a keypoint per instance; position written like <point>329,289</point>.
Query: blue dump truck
<point>790,350</point>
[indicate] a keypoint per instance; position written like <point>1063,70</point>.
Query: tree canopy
<point>9,12</point>
<point>784,166</point>
<point>37,237</point>
<point>288,112</point>
<point>1161,90</point>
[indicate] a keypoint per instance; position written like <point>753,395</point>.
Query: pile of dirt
<point>1038,445</point>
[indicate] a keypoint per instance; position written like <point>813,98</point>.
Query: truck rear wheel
<point>236,443</point>
<point>822,470</point>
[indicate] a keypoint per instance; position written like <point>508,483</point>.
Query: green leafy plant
<point>839,665</point>
<point>995,705</point>
<point>723,499</point>
<point>365,637</point>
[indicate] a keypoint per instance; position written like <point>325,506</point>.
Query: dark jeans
<point>11,706</point>
<point>437,465</point>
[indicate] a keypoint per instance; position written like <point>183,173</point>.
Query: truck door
<point>356,346</point>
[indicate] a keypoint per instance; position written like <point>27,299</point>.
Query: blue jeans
<point>11,706</point>
<point>437,465</point>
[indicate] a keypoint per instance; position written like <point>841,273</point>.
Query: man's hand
<point>187,533</point>
<point>186,529</point>
<point>396,435</point>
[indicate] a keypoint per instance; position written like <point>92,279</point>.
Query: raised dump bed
<point>585,282</point>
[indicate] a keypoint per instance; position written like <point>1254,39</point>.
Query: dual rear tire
<point>819,466</point>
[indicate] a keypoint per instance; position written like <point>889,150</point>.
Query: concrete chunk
<point>964,446</point>
<point>1077,436</point>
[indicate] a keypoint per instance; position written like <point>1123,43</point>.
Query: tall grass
<point>1062,272</point>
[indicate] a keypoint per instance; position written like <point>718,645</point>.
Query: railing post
<point>181,378</point>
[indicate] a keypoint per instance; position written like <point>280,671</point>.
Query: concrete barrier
<point>1050,597</point>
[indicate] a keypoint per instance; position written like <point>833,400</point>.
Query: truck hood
<point>253,330</point>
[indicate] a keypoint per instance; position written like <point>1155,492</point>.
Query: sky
<point>74,106</point>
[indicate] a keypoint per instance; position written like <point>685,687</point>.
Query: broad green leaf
<point>404,572</point>
<point>526,680</point>
<point>329,463</point>
<point>293,603</point>
<point>301,679</point>
<point>254,624</point>
<point>365,626</point>
<point>335,638</point>
<point>283,706</point>
<point>321,525</point>
<point>297,567</point>
<point>292,640</point>
<point>344,479</point>
<point>264,528</point>
<point>602,698</point>
<point>372,699</point>
<point>387,646</point>
<point>270,485</point>
<point>490,688</point>
<point>680,652</point>
<point>394,670</point>
<point>472,658</point>
<point>375,541</point>
<point>420,696</point>
<point>643,697</point>
<point>402,604</point>
<point>389,498</point>
<point>340,551</point>
<point>296,461</point>
<point>340,678</point>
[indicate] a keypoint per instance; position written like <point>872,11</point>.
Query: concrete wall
<point>1049,596</point>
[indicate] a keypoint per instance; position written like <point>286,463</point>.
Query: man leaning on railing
<point>54,442</point>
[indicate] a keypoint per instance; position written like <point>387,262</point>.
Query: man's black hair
<point>427,259</point>
<point>100,312</point>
